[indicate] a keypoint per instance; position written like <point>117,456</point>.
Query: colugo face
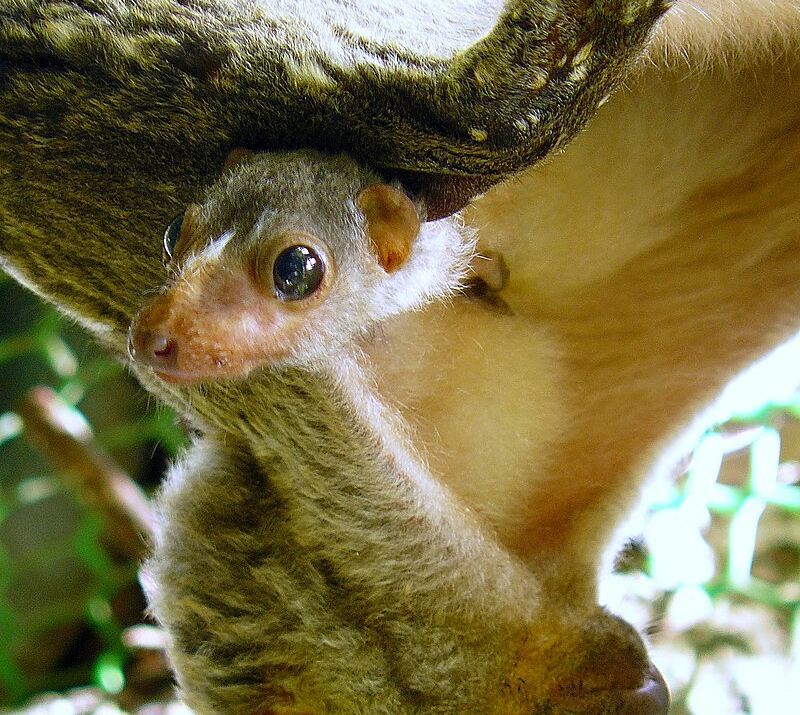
<point>280,259</point>
<point>289,266</point>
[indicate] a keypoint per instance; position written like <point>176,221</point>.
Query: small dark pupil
<point>297,272</point>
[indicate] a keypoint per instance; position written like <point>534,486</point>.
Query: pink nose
<point>157,350</point>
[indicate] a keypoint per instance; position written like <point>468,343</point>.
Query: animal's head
<point>287,257</point>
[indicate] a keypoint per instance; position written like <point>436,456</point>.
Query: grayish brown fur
<point>176,82</point>
<point>316,567</point>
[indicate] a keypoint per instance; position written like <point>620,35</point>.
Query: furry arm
<point>450,99</point>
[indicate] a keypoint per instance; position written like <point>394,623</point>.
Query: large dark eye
<point>171,236</point>
<point>297,272</point>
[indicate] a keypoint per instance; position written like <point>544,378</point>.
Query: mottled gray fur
<point>185,82</point>
<point>314,563</point>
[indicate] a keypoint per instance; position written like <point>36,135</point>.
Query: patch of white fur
<point>60,33</point>
<point>305,70</point>
<point>213,251</point>
<point>583,54</point>
<point>578,74</point>
<point>68,31</point>
<point>416,27</point>
<point>437,265</point>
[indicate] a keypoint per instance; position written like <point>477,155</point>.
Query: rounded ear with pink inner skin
<point>392,223</point>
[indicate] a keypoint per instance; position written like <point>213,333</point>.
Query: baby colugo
<point>306,560</point>
<point>289,255</point>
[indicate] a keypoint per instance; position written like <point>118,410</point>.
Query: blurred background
<point>713,576</point>
<point>80,448</point>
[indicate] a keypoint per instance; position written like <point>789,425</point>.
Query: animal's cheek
<point>209,327</point>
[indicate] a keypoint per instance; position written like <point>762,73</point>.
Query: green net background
<point>726,537</point>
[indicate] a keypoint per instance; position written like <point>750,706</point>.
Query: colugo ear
<point>236,157</point>
<point>392,223</point>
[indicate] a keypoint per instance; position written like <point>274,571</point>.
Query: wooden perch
<point>68,444</point>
